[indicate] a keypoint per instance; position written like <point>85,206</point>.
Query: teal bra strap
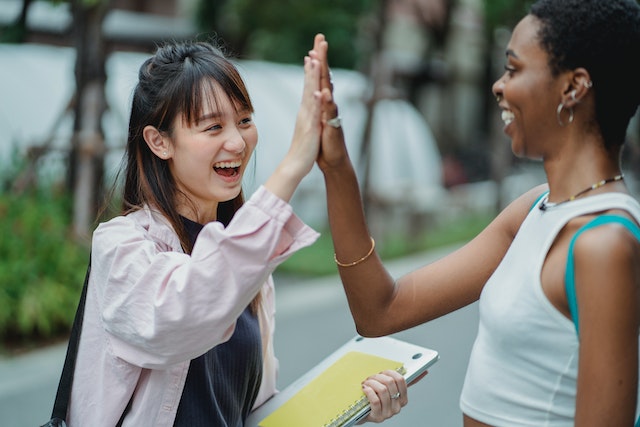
<point>569,275</point>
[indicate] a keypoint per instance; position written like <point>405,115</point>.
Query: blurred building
<point>128,25</point>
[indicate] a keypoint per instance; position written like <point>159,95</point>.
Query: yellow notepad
<point>334,396</point>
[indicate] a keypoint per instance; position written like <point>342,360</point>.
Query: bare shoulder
<point>608,255</point>
<point>513,215</point>
<point>496,238</point>
<point>609,241</point>
<point>528,198</point>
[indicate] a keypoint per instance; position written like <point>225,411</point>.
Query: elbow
<point>371,329</point>
<point>368,333</point>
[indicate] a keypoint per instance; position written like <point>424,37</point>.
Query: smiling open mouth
<point>227,168</point>
<point>507,117</point>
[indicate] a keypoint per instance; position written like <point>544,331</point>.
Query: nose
<point>235,142</point>
<point>497,89</point>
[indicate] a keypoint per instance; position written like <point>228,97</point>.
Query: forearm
<point>284,180</point>
<point>368,286</point>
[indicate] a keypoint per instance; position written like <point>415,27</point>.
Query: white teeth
<point>235,164</point>
<point>507,117</point>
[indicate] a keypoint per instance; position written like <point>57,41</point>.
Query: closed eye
<point>246,121</point>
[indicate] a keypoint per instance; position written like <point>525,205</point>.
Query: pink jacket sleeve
<point>161,306</point>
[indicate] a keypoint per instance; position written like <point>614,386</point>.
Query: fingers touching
<point>319,53</point>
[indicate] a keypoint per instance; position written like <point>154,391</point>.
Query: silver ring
<point>395,396</point>
<point>336,122</point>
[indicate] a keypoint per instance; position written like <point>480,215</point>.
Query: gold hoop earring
<point>559,111</point>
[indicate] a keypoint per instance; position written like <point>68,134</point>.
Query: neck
<point>198,213</point>
<point>572,171</point>
<point>546,204</point>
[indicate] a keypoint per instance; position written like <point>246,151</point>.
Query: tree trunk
<point>86,156</point>
<point>378,79</point>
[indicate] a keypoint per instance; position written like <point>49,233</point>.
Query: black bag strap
<point>63,395</point>
<point>66,378</point>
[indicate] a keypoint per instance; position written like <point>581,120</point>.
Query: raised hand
<point>305,144</point>
<point>387,391</point>
<point>333,151</point>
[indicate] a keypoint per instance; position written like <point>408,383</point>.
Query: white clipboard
<point>416,360</point>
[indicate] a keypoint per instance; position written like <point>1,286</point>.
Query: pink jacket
<point>150,308</point>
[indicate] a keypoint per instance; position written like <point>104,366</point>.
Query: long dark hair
<point>171,83</point>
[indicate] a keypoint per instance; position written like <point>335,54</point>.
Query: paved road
<point>313,320</point>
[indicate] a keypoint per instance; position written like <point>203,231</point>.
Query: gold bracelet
<point>351,264</point>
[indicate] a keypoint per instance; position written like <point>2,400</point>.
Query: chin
<point>522,153</point>
<point>230,194</point>
<point>517,150</point>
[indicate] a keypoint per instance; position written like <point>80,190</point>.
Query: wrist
<point>284,181</point>
<point>338,170</point>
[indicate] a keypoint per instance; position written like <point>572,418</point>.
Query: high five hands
<point>386,391</point>
<point>332,147</point>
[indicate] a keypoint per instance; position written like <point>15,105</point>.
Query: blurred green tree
<point>504,13</point>
<point>281,31</point>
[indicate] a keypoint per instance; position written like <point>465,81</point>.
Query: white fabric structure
<point>36,83</point>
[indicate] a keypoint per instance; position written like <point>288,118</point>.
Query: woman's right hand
<point>305,144</point>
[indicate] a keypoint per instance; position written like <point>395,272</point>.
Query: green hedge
<point>41,268</point>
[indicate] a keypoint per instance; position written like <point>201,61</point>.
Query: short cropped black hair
<point>602,36</point>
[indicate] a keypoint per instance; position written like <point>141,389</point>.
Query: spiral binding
<point>354,408</point>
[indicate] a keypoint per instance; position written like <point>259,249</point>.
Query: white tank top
<point>524,363</point>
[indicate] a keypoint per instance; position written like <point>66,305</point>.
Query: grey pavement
<point>313,319</point>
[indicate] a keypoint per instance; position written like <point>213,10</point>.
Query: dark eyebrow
<point>510,52</point>
<point>215,115</point>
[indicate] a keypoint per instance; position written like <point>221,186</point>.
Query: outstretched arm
<point>386,391</point>
<point>379,304</point>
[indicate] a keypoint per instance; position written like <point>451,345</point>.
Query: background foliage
<point>504,13</point>
<point>280,31</point>
<point>41,269</point>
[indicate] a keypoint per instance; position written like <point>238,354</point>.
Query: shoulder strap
<point>570,274</point>
<point>569,280</point>
<point>66,378</point>
<point>61,404</point>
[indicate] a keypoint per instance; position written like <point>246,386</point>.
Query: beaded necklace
<point>545,205</point>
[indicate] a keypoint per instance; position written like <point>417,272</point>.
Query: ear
<point>157,142</point>
<point>578,88</point>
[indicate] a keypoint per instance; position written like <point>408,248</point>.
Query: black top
<point>222,384</point>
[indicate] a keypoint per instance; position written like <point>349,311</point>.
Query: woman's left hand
<point>387,394</point>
